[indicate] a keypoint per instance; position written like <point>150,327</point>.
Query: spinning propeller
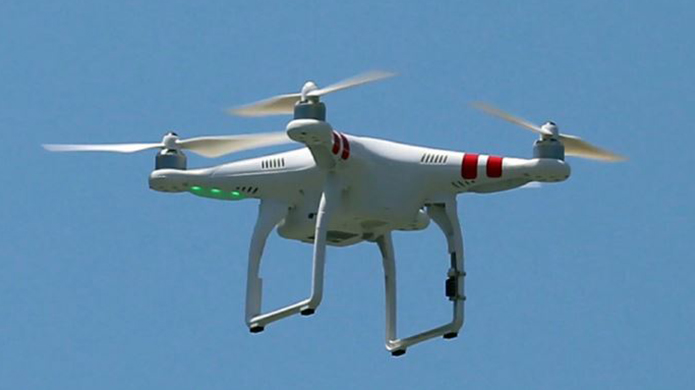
<point>284,104</point>
<point>213,146</point>
<point>574,146</point>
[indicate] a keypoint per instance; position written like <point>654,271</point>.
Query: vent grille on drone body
<point>273,163</point>
<point>247,190</point>
<point>433,159</point>
<point>462,185</point>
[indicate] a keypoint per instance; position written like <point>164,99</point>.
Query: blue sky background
<point>106,284</point>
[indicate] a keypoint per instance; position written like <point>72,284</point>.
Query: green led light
<point>237,195</point>
<point>216,193</point>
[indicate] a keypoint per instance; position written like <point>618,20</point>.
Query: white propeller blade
<point>360,79</point>
<point>574,146</point>
<point>221,145</point>
<point>212,146</point>
<point>277,105</point>
<point>284,104</point>
<point>117,148</point>
<point>494,111</point>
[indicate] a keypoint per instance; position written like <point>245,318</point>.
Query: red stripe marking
<point>336,143</point>
<point>346,147</point>
<point>494,166</point>
<point>469,167</point>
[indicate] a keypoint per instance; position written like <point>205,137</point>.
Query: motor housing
<point>549,148</point>
<point>310,110</point>
<point>170,159</point>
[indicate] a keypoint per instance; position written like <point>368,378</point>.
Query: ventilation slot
<point>247,190</point>
<point>273,163</point>
<point>462,184</point>
<point>433,158</point>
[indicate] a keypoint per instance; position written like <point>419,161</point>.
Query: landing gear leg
<point>269,215</point>
<point>446,218</point>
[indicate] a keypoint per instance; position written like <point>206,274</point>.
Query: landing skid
<point>446,218</point>
<point>270,214</point>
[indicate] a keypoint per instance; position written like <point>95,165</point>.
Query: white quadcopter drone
<point>340,189</point>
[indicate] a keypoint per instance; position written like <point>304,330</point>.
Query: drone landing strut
<point>270,214</point>
<point>446,218</point>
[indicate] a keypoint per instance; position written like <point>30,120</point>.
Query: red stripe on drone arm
<point>336,143</point>
<point>346,147</point>
<point>494,166</point>
<point>469,166</point>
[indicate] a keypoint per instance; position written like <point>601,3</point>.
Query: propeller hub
<point>309,86</point>
<point>170,141</point>
<point>551,128</point>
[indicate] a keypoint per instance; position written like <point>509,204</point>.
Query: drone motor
<point>549,148</point>
<point>171,156</point>
<point>170,159</point>
<point>310,109</point>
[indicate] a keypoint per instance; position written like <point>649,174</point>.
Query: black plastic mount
<point>451,287</point>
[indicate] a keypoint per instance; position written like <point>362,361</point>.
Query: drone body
<point>341,189</point>
<point>384,185</point>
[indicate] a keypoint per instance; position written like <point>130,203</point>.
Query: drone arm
<point>328,146</point>
<point>445,216</point>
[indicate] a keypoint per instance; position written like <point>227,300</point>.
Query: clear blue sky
<point>105,284</point>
